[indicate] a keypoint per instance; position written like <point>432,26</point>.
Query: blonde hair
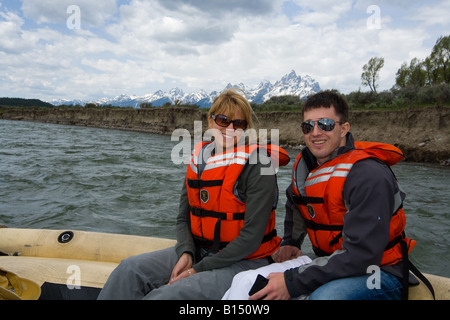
<point>228,101</point>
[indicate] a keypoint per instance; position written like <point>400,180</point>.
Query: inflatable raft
<point>71,264</point>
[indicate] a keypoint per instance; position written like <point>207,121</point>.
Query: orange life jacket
<point>318,195</point>
<point>217,214</point>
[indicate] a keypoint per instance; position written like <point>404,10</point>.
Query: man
<point>344,195</point>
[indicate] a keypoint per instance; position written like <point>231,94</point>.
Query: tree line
<point>20,102</point>
<point>433,70</point>
<point>421,82</point>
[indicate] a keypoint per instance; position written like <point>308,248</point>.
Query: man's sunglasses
<point>223,121</point>
<point>323,124</point>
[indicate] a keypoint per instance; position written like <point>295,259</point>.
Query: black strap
<point>217,245</point>
<point>198,184</point>
<point>420,275</point>
<point>408,266</point>
<point>394,241</point>
<point>316,226</point>
<point>325,227</point>
<point>214,214</point>
<point>320,253</point>
<point>335,239</point>
<point>216,242</point>
<point>306,200</point>
<point>405,271</point>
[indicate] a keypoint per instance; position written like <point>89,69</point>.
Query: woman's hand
<point>182,269</point>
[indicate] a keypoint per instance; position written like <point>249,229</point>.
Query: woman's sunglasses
<point>323,124</point>
<point>223,121</point>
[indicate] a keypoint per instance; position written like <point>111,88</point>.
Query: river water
<point>69,177</point>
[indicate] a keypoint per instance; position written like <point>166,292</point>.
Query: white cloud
<point>431,15</point>
<point>138,47</point>
<point>12,39</point>
<point>322,12</point>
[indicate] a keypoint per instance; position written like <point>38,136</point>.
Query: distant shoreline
<point>422,134</point>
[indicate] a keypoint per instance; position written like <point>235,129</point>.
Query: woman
<point>226,220</point>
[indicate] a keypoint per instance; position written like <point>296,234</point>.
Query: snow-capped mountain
<point>290,84</point>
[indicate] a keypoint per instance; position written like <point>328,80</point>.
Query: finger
<point>172,279</point>
<point>283,256</point>
<point>175,279</point>
<point>175,276</point>
<point>277,256</point>
<point>182,275</point>
<point>258,295</point>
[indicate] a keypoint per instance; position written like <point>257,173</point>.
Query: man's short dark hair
<point>326,99</point>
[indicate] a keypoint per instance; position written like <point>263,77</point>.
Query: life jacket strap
<point>306,200</point>
<point>408,266</point>
<point>326,227</point>
<point>198,184</point>
<point>198,212</point>
<point>316,226</point>
<point>216,245</point>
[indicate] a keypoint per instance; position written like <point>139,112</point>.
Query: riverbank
<point>422,134</point>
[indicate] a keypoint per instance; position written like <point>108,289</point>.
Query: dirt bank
<point>422,134</point>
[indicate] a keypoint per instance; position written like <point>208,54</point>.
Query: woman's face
<point>227,137</point>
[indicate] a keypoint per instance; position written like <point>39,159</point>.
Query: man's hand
<point>275,290</point>
<point>286,253</point>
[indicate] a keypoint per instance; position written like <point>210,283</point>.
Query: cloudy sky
<point>84,49</point>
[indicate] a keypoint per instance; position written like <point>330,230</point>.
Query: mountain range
<point>290,84</point>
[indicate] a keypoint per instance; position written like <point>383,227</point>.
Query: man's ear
<point>345,128</point>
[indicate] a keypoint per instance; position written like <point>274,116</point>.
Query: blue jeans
<point>356,288</point>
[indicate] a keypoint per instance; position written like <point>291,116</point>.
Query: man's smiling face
<point>322,143</point>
